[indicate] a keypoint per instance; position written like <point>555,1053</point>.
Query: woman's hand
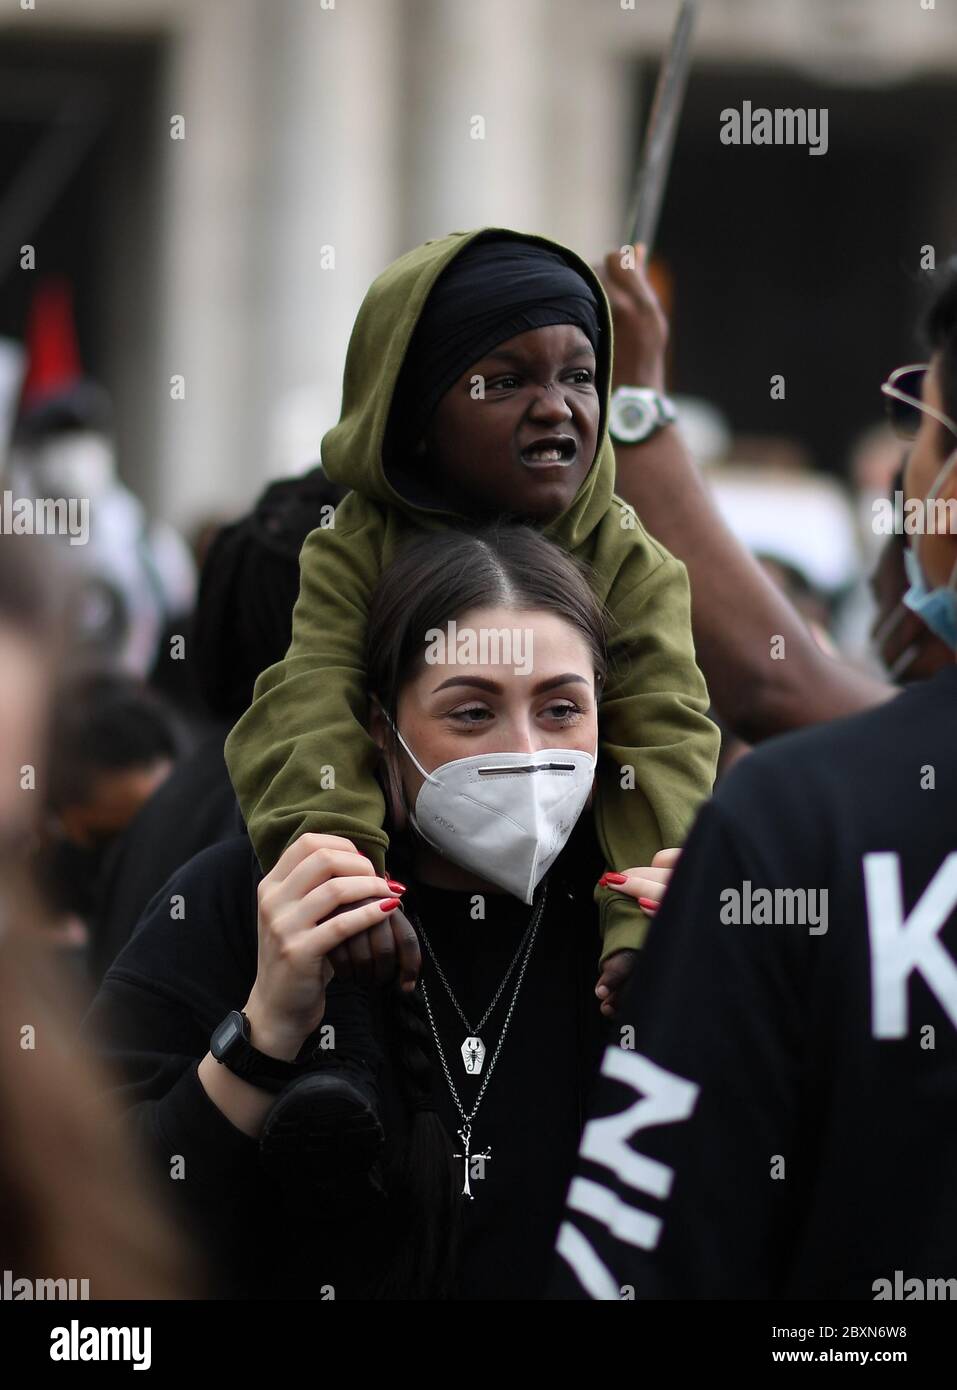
<point>639,326</point>
<point>648,886</point>
<point>321,893</point>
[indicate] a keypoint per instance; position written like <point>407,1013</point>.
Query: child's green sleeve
<point>659,749</point>
<point>300,758</point>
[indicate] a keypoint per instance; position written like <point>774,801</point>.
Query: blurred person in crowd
<point>786,1129</point>
<point>113,743</point>
<point>72,1206</point>
<point>807,599</point>
<point>776,453</point>
<point>127,575</point>
<point>73,1203</point>
<point>243,622</point>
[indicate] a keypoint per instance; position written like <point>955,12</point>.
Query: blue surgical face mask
<point>936,608</point>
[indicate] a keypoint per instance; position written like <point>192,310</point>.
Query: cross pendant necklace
<point>465,1134</point>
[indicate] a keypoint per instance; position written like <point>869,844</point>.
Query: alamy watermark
<point>910,1290</point>
<point>487,646</point>
<point>45,516</point>
<point>775,907</point>
<point>14,1289</point>
<point>780,125</point>
<point>76,1343</point>
<point>914,516</point>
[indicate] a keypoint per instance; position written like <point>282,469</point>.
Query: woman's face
<point>538,387</point>
<point>544,698</point>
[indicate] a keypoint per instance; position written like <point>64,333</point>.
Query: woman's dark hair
<point>431,582</point>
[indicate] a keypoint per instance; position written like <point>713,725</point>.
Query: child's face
<point>538,387</point>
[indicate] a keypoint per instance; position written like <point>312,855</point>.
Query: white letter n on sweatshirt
<point>663,1099</point>
<point>899,946</point>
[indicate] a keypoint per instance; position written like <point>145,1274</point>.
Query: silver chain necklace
<point>473,1048</point>
<point>465,1133</point>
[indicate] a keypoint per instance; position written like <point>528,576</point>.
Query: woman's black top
<point>193,958</point>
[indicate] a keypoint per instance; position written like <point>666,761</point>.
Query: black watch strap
<point>230,1046</point>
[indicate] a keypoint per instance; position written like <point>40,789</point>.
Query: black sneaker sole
<point>322,1123</point>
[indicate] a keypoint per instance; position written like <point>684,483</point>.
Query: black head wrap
<point>493,291</point>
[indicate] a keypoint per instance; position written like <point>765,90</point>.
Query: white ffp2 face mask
<point>504,816</point>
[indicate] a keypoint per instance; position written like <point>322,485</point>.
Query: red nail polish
<point>395,885</point>
<point>389,905</point>
<point>614,878</point>
<point>648,902</point>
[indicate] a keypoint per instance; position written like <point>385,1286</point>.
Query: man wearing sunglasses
<point>785,1126</point>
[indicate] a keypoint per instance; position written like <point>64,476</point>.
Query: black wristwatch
<point>230,1045</point>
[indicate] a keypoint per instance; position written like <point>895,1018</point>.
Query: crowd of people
<point>410,967</point>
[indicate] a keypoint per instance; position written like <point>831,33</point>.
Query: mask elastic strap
<point>427,775</point>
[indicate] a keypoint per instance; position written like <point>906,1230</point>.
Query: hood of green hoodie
<point>352,451</point>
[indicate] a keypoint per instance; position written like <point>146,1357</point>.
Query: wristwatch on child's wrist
<point>230,1045</point>
<point>635,413</point>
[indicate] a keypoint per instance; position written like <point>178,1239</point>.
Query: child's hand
<point>387,951</point>
<point>615,974</point>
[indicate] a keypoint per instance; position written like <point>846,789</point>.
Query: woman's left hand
<point>648,886</point>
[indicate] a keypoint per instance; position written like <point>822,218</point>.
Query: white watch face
<point>633,416</point>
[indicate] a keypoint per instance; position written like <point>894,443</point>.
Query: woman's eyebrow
<point>483,683</point>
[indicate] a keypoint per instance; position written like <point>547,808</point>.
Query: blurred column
<point>208,182</point>
<point>327,153</point>
<point>290,147</point>
<point>554,99</point>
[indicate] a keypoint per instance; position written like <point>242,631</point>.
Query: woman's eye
<point>479,714</point>
<point>583,376</point>
<point>506,382</point>
<point>463,714</point>
<point>565,712</point>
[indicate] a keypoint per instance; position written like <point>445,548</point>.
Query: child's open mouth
<point>552,451</point>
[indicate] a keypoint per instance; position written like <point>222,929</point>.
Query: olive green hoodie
<point>657,746</point>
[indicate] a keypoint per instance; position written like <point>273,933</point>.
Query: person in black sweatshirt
<point>484,1069</point>
<point>780,1120</point>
